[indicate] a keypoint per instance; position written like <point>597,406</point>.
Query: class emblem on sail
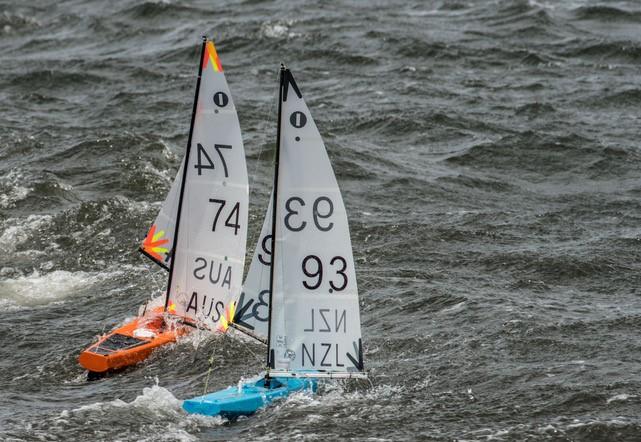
<point>301,287</point>
<point>198,235</point>
<point>154,243</point>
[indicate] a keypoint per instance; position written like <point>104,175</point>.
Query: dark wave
<point>528,151</point>
<point>487,154</point>
<point>628,97</point>
<point>535,110</point>
<point>556,269</point>
<point>55,79</point>
<point>604,430</point>
<point>414,47</point>
<point>607,14</point>
<point>477,183</point>
<point>153,9</point>
<point>610,51</point>
<point>517,14</point>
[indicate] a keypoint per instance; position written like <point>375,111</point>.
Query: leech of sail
<point>314,321</point>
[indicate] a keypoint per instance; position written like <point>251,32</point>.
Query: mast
<point>182,184</point>
<point>275,199</point>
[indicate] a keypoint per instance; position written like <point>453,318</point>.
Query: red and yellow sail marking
<point>153,242</point>
<point>211,57</point>
<point>227,318</point>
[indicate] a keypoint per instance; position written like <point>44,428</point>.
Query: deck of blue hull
<point>252,396</point>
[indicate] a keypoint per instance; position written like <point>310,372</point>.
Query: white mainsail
<point>315,318</point>
<point>252,310</point>
<point>209,255</point>
<point>156,245</point>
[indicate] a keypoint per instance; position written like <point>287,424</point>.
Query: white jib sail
<point>315,322</point>
<point>159,239</point>
<point>210,251</point>
<point>252,310</point>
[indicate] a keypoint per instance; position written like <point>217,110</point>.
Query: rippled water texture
<point>488,153</point>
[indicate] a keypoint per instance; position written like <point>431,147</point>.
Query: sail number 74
<point>233,215</point>
<point>203,156</point>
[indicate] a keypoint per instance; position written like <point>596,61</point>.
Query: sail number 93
<point>312,267</point>
<point>322,209</point>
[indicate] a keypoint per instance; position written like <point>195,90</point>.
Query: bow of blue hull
<point>247,398</point>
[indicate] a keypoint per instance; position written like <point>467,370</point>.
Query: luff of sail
<point>209,255</point>
<point>252,310</point>
<point>160,237</point>
<point>315,318</point>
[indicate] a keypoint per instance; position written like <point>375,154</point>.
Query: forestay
<point>156,245</point>
<point>252,311</point>
<point>315,322</point>
<point>212,228</point>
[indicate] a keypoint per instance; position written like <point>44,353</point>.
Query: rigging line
<point>261,151</point>
<point>154,280</point>
<point>211,364</point>
<point>258,358</point>
<point>148,268</point>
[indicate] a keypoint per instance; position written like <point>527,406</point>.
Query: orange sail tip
<point>211,57</point>
<point>153,242</point>
<point>227,318</point>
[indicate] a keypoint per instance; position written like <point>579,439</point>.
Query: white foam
<point>620,397</point>
<point>16,192</point>
<point>157,398</point>
<point>41,289</point>
<point>279,29</point>
<point>167,420</point>
<point>18,230</point>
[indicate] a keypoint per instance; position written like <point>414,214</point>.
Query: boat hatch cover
<point>117,342</point>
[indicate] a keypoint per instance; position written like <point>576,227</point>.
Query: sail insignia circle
<point>221,99</point>
<point>298,119</point>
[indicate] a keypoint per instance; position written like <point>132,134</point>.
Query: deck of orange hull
<point>102,357</point>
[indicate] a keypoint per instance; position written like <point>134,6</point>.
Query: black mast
<point>182,184</point>
<point>270,359</point>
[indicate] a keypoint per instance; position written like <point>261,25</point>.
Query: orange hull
<point>133,342</point>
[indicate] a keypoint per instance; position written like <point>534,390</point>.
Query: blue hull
<point>254,395</point>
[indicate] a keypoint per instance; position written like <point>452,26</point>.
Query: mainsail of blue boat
<point>301,288</point>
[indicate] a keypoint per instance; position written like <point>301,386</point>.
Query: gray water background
<point>489,158</point>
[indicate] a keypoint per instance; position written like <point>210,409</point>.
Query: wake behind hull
<point>248,399</point>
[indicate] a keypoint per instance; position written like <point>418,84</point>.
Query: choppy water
<point>489,157</point>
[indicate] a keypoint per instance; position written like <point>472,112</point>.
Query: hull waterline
<point>248,397</point>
